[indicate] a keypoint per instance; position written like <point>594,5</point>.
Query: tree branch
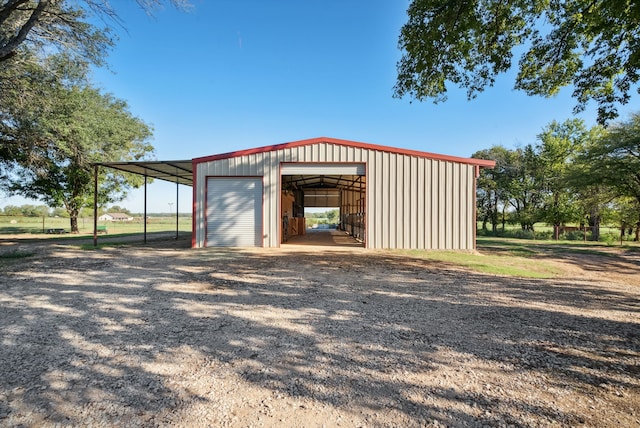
<point>8,49</point>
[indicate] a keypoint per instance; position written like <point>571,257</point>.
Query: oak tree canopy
<point>591,45</point>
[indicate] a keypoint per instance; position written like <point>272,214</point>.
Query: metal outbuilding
<point>388,197</point>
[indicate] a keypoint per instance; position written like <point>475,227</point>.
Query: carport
<point>177,171</point>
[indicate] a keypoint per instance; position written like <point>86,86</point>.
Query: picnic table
<point>56,230</point>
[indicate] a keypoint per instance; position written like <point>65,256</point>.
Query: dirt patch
<point>149,336</point>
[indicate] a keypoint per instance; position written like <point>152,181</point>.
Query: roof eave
<point>348,143</point>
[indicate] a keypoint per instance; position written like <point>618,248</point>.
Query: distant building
<point>115,217</point>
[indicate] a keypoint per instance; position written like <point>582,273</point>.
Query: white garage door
<point>234,212</point>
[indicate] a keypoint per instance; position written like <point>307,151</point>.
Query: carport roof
<point>177,171</point>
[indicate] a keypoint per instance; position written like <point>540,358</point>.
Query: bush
<point>609,238</point>
<point>574,235</point>
<point>524,234</point>
<point>544,235</point>
<point>515,233</point>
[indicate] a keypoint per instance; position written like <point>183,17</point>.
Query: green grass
<point>515,257</point>
<point>495,264</point>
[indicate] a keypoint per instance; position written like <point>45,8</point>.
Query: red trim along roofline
<point>428,155</point>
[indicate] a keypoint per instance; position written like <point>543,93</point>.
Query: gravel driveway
<point>149,336</point>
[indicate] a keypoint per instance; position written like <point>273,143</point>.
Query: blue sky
<point>236,74</point>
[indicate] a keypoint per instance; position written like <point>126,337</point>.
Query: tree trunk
<point>73,218</point>
<point>74,224</point>
<point>594,223</point>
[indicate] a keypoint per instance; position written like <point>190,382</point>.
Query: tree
<point>625,214</point>
<point>559,144</point>
<point>69,127</point>
<point>51,25</point>
<point>614,161</point>
<point>117,209</point>
<point>525,193</point>
<point>37,26</point>
<point>493,185</point>
<point>593,45</point>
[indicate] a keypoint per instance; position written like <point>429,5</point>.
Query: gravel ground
<point>150,336</point>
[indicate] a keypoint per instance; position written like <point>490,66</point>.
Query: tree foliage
<point>53,137</point>
<point>559,144</point>
<point>45,26</point>
<point>572,175</point>
<point>614,161</point>
<point>592,45</point>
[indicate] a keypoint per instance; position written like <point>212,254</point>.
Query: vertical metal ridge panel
<point>420,197</point>
<point>455,213</point>
<point>436,197</point>
<point>464,206</point>
<point>470,198</point>
<point>408,213</point>
<point>396,227</point>
<point>413,203</point>
<point>449,207</point>
<point>392,186</point>
<point>337,153</point>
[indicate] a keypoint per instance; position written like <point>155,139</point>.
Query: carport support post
<point>144,220</point>
<point>177,210</point>
<point>95,205</point>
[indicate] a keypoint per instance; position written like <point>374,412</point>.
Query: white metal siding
<point>411,202</point>
<point>323,169</point>
<point>234,212</point>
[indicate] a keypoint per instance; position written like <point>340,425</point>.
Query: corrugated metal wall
<point>411,202</point>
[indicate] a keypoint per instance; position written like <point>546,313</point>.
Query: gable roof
<point>181,171</point>
<point>347,143</point>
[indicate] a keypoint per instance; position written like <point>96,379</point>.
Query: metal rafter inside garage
<point>350,182</point>
<point>178,171</point>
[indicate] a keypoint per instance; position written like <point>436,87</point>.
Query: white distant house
<point>115,217</point>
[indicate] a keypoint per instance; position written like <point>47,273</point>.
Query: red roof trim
<point>428,155</point>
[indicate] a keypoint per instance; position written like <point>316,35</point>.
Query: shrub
<point>610,238</point>
<point>574,235</point>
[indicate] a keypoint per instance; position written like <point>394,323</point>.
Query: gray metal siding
<point>411,202</point>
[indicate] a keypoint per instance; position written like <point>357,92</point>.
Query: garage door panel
<point>234,212</point>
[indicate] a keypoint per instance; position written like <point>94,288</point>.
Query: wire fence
<point>48,225</point>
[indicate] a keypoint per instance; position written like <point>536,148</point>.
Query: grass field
<point>523,258</point>
<point>39,225</point>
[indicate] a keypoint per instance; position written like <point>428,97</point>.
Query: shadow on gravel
<point>115,335</point>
